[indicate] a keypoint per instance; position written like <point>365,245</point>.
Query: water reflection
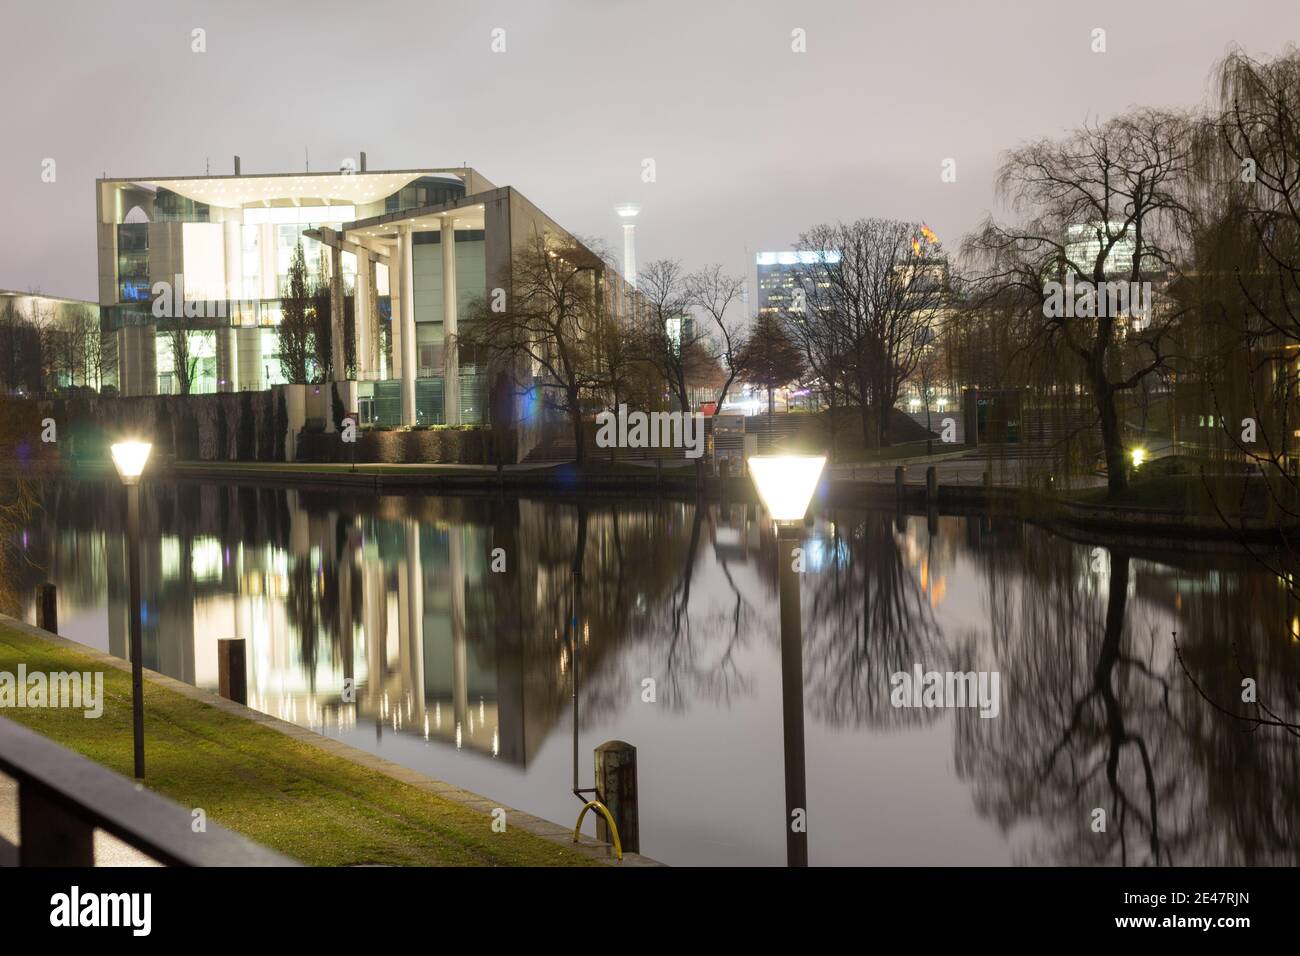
<point>436,631</point>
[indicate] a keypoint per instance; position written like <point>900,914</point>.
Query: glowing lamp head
<point>627,210</point>
<point>786,483</point>
<point>130,458</point>
<point>1138,455</point>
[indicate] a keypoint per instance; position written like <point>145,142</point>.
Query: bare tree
<point>1106,203</point>
<point>863,300</point>
<point>546,332</point>
<point>666,337</point>
<point>712,293</point>
<point>21,352</point>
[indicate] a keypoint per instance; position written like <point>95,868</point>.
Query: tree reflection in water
<point>399,592</point>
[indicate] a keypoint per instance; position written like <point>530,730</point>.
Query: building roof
<point>333,186</point>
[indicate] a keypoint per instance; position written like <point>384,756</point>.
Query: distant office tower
<point>776,277</point>
<point>627,212</point>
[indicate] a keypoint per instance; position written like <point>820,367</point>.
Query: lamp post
<point>786,483</point>
<point>130,458</point>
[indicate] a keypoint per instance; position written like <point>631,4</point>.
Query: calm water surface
<point>466,673</point>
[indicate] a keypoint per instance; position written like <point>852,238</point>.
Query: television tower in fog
<point>627,212</point>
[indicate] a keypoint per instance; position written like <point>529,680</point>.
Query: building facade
<point>198,268</point>
<point>49,343</point>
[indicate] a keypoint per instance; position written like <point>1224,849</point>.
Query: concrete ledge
<point>546,830</point>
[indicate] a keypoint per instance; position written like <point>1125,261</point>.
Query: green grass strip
<point>310,805</point>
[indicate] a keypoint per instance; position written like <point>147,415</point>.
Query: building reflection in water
<point>396,597</point>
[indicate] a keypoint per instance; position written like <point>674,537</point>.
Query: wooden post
<point>232,670</point>
<point>47,608</point>
<point>616,789</point>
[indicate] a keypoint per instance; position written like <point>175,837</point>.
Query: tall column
<point>249,366</point>
<point>374,331</point>
<point>138,360</point>
<point>228,371</point>
<point>409,366</point>
<point>338,355</point>
<point>450,357</point>
<point>361,318</point>
<point>227,360</point>
<point>395,307</point>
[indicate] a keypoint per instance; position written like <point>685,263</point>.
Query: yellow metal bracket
<point>613,828</point>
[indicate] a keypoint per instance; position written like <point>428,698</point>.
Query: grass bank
<point>307,804</point>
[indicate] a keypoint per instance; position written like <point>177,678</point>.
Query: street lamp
<point>786,484</point>
<point>130,458</point>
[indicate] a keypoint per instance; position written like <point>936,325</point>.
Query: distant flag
<point>929,235</point>
<point>916,247</point>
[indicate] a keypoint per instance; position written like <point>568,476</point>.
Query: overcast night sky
<point>752,143</point>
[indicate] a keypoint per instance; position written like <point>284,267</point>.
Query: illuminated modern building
<point>47,342</point>
<point>405,252</point>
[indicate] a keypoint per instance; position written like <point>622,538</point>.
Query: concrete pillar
<point>248,364</point>
<point>395,307</point>
<point>361,318</point>
<point>410,366</point>
<point>932,483</point>
<point>339,354</point>
<point>295,404</point>
<point>227,359</point>
<point>373,330</point>
<point>227,352</point>
<point>451,360</point>
<point>138,360</point>
<point>267,247</point>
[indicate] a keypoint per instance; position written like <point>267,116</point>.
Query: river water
<point>1120,734</point>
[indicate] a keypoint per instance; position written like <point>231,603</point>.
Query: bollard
<point>899,474</point>
<point>232,670</point>
<point>932,483</point>
<point>47,608</point>
<point>616,789</point>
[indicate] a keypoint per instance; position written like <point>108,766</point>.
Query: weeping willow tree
<point>1245,371</point>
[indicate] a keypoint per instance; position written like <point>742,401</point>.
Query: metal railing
<point>63,798</point>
